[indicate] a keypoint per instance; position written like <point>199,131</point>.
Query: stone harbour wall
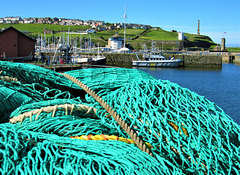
<point>118,59</point>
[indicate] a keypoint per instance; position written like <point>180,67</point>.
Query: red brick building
<point>14,43</point>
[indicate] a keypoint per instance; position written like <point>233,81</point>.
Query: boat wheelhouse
<point>156,60</point>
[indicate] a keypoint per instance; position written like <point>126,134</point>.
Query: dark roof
<point>18,32</point>
<point>116,36</point>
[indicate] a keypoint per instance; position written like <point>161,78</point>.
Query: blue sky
<point>218,18</point>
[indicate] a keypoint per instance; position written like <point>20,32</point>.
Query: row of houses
<point>64,21</point>
<point>48,20</point>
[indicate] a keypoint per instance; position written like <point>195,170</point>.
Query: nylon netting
<point>188,134</point>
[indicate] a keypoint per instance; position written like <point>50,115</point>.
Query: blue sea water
<point>221,85</point>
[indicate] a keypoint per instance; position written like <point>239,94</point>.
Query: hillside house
<point>28,20</point>
<point>40,20</point>
<point>55,20</point>
<point>2,21</point>
<point>181,36</point>
<point>88,23</point>
<point>10,20</point>
<point>101,28</point>
<point>136,27</point>
<point>79,22</point>
<point>14,43</point>
<point>88,31</point>
<point>111,27</point>
<point>100,23</point>
<point>115,42</point>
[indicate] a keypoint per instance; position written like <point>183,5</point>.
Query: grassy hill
<point>136,38</point>
<point>39,28</point>
<point>160,34</point>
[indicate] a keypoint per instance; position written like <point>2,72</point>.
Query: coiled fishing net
<point>43,114</point>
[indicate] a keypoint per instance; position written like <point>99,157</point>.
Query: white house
<point>181,36</point>
<point>144,27</point>
<point>90,31</point>
<point>136,26</point>
<point>17,18</point>
<point>115,42</point>
<point>2,21</point>
<point>28,20</point>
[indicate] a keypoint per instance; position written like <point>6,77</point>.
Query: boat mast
<point>68,37</point>
<point>80,45</point>
<point>98,49</point>
<point>125,16</point>
<point>90,44</point>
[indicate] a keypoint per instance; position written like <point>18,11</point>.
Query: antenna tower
<point>125,16</point>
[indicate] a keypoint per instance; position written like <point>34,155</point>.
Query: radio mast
<point>125,16</point>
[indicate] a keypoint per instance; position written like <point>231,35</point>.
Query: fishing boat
<point>80,59</point>
<point>99,59</point>
<point>156,60</point>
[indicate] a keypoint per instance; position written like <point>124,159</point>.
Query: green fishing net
<point>188,133</point>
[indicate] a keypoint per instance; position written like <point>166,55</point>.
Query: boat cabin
<point>153,56</point>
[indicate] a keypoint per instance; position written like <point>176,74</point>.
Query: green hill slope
<point>39,28</point>
<point>136,38</point>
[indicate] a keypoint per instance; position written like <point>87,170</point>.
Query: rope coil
<point>53,109</point>
<point>118,119</point>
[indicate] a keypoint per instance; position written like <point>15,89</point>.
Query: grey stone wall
<point>188,60</point>
<point>237,60</point>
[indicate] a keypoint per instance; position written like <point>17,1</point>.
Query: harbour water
<point>221,86</point>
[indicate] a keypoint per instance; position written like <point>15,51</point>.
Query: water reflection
<point>219,85</point>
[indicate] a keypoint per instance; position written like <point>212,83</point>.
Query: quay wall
<point>188,60</point>
<point>237,60</point>
<point>226,59</point>
<point>231,59</point>
<point>125,59</point>
<point>199,60</point>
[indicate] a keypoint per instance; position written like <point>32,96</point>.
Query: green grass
<point>160,35</point>
<point>233,49</point>
<point>130,33</point>
<point>102,37</point>
<point>193,37</point>
<point>39,28</point>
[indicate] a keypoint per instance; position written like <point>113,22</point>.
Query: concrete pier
<point>237,59</point>
<point>188,60</point>
<point>231,58</point>
<point>228,58</point>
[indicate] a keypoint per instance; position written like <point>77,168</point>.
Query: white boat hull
<point>100,60</point>
<point>157,63</point>
<point>80,60</point>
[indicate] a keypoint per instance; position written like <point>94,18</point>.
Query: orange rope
<point>107,137</point>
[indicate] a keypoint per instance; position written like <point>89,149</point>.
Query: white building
<point>115,42</point>
<point>90,31</point>
<point>2,21</point>
<point>17,18</point>
<point>10,20</point>
<point>181,36</point>
<point>28,20</point>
